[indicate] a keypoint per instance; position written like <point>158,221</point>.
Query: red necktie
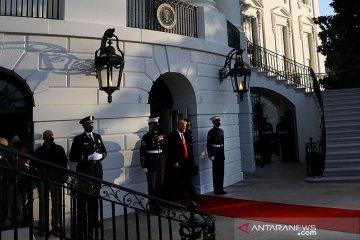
<point>184,144</point>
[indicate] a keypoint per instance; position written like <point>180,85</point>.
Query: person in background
<point>4,141</point>
<point>283,137</point>
<point>266,137</point>
<point>179,164</point>
<point>88,150</point>
<point>3,193</point>
<point>18,187</point>
<point>152,157</point>
<point>55,154</point>
<point>216,154</point>
<point>194,169</point>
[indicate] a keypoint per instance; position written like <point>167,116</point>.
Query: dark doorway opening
<point>16,103</point>
<point>282,143</point>
<point>161,103</point>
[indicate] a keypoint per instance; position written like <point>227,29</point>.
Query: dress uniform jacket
<point>215,148</point>
<point>152,155</point>
<point>215,143</point>
<point>83,146</point>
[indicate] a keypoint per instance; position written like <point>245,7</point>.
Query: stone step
<point>340,155</point>
<point>341,116</point>
<point>340,146</point>
<point>22,233</point>
<point>341,103</point>
<point>333,179</point>
<point>342,127</point>
<point>342,133</point>
<point>343,110</point>
<point>346,171</point>
<point>341,92</point>
<point>342,163</point>
<point>336,139</point>
<point>351,121</point>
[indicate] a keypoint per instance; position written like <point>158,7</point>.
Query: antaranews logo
<point>244,228</point>
<point>299,230</point>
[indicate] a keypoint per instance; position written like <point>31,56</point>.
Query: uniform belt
<point>93,162</point>
<point>154,151</point>
<point>217,145</point>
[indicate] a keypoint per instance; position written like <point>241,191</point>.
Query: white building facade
<point>285,27</point>
<point>51,64</point>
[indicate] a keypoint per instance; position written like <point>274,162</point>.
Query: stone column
<point>201,3</point>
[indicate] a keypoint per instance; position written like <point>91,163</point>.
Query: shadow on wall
<point>55,59</point>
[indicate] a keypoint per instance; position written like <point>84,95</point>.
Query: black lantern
<point>109,63</point>
<point>239,72</point>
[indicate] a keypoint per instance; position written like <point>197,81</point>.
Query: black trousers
<point>218,174</point>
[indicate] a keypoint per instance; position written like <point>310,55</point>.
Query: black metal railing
<point>318,93</point>
<point>87,208</point>
<point>143,14</point>
<point>279,65</point>
<point>315,160</point>
<point>49,9</point>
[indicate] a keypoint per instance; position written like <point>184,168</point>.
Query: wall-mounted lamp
<point>239,72</point>
<point>109,64</point>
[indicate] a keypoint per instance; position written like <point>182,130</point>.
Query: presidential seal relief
<point>166,16</point>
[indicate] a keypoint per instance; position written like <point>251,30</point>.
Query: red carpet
<point>336,219</point>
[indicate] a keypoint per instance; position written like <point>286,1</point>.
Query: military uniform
<point>215,148</point>
<point>266,139</point>
<point>152,158</point>
<point>81,148</point>
<point>88,150</point>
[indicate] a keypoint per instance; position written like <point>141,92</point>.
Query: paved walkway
<point>285,183</point>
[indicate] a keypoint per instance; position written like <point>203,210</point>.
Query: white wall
<point>306,109</point>
<point>109,12</point>
<point>56,60</point>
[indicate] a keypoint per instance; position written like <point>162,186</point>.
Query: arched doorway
<point>16,103</point>
<point>172,98</point>
<point>275,108</point>
<point>161,102</point>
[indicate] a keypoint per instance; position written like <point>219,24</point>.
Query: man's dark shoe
<point>220,193</point>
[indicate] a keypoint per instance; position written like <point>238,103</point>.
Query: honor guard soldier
<point>215,148</point>
<point>152,157</point>
<point>88,150</point>
<point>266,140</point>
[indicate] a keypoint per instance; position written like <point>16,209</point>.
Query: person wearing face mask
<point>152,157</point>
<point>53,153</point>
<point>215,148</point>
<point>88,150</point>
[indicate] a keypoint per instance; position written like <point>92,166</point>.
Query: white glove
<point>95,157</point>
<point>144,170</point>
<point>211,158</point>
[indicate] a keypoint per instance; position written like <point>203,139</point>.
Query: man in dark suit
<point>215,148</point>
<point>88,150</point>
<point>179,165</point>
<point>189,142</point>
<point>55,154</point>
